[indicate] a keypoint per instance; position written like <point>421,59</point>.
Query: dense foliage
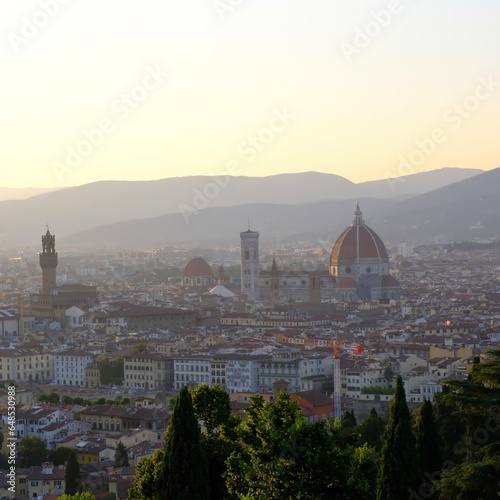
<point>83,495</point>
<point>32,451</point>
<point>72,474</point>
<point>399,471</point>
<point>447,450</point>
<point>147,475</point>
<point>121,455</point>
<point>184,472</point>
<point>111,372</point>
<point>59,455</point>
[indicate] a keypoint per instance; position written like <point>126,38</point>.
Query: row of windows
<point>70,382</point>
<point>191,368</point>
<point>24,366</point>
<point>139,377</point>
<point>141,361</point>
<point>106,425</point>
<point>191,377</point>
<point>73,359</point>
<point>45,483</point>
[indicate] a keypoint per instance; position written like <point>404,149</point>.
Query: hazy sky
<point>121,89</point>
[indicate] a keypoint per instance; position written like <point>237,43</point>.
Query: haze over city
<point>250,249</point>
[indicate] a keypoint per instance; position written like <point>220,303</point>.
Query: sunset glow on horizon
<point>123,90</point>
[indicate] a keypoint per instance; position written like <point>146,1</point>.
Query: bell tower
<point>250,264</point>
<point>48,262</point>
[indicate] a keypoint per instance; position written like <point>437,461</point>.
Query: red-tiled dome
<point>358,241</point>
<point>197,267</point>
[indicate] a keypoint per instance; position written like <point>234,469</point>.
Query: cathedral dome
<point>358,250</point>
<point>197,266</point>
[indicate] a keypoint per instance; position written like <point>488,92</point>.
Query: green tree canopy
<point>121,455</point>
<point>32,451</point>
<point>349,421</point>
<point>212,406</point>
<point>147,475</point>
<point>399,471</point>
<point>83,495</point>
<point>389,374</point>
<point>184,474</point>
<point>476,402</point>
<point>286,457</point>
<point>371,430</point>
<point>427,438</point>
<point>72,474</point>
<point>362,473</point>
<point>54,397</point>
<point>450,426</point>
<point>476,478</point>
<point>140,347</point>
<point>59,455</point>
<point>111,372</point>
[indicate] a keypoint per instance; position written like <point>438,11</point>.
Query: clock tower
<point>48,262</point>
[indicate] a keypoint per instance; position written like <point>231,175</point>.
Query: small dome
<point>197,266</point>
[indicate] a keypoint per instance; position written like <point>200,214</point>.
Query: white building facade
<point>191,371</point>
<point>69,367</point>
<point>242,373</point>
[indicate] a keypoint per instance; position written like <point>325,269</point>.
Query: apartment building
<point>148,370</point>
<point>70,366</point>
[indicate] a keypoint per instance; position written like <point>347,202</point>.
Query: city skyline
<point>367,90</point>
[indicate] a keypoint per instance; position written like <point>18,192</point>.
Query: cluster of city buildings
<point>246,319</point>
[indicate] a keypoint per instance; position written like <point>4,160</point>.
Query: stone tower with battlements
<point>48,262</point>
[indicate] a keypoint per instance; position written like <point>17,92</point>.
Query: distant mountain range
<point>22,193</point>
<point>206,210</point>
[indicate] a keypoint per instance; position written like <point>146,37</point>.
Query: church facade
<point>358,271</point>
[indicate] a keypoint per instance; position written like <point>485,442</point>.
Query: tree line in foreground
<point>449,449</point>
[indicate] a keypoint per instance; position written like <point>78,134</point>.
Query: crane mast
<point>337,379</point>
<point>337,382</point>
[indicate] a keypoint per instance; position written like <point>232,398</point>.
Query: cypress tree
<point>349,419</point>
<point>399,471</point>
<point>121,455</point>
<point>427,439</point>
<point>72,474</point>
<point>184,473</point>
<point>371,430</point>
